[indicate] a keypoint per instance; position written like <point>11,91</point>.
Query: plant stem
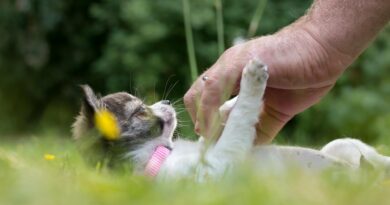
<point>256,18</point>
<point>219,12</point>
<point>190,40</point>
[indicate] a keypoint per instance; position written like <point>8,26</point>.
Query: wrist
<point>335,58</point>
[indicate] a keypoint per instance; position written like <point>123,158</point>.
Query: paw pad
<point>256,70</point>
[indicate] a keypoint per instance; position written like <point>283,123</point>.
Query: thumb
<point>271,122</point>
<point>281,105</point>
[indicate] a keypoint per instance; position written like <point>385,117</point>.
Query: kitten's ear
<point>90,101</point>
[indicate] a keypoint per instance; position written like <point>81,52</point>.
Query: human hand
<point>304,60</point>
<point>301,71</point>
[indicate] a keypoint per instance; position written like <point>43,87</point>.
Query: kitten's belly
<point>282,158</point>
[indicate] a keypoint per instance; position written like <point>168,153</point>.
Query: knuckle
<point>211,82</point>
<point>188,99</point>
<point>230,52</point>
<point>215,81</point>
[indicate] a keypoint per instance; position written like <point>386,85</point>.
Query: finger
<point>277,111</point>
<point>192,98</point>
<point>217,89</point>
<point>271,122</point>
<point>210,101</point>
<point>204,97</point>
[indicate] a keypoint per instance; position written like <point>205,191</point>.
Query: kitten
<point>146,137</point>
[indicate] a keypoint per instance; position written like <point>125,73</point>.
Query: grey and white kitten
<point>144,127</point>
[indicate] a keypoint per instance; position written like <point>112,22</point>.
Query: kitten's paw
<point>254,76</point>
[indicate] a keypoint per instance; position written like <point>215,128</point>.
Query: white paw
<point>254,76</point>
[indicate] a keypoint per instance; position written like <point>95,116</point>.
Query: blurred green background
<point>48,48</point>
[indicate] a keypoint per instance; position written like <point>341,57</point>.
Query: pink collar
<point>156,161</point>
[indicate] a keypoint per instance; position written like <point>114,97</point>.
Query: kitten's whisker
<point>179,107</point>
<point>136,93</point>
<point>178,100</point>
<point>166,84</point>
<point>154,92</point>
<point>179,113</point>
<point>130,85</point>
<point>171,88</point>
<point>183,123</point>
<point>181,126</point>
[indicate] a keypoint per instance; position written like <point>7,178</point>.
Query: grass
<point>189,40</point>
<point>28,178</point>
<point>49,170</point>
<point>219,25</point>
<point>254,24</point>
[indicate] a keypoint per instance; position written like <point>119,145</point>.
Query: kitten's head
<point>140,125</point>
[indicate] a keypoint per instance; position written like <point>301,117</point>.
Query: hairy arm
<point>326,41</point>
<point>347,25</point>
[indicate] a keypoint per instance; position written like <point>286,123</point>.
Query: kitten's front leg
<point>237,138</point>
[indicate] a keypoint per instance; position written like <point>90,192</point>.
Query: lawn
<point>49,170</point>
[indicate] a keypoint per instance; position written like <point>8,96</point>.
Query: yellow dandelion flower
<point>107,124</point>
<point>49,157</point>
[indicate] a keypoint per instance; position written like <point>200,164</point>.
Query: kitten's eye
<point>141,112</point>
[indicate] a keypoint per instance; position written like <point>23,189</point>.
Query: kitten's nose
<point>166,102</point>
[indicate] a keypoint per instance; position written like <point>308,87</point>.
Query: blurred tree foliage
<point>48,47</point>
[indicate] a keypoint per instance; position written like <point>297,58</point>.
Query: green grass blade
<point>219,13</point>
<point>190,40</point>
<point>254,24</point>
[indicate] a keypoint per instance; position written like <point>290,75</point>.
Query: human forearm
<point>322,43</point>
<point>347,25</point>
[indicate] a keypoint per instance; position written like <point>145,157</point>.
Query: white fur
<point>190,159</point>
<point>353,151</point>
